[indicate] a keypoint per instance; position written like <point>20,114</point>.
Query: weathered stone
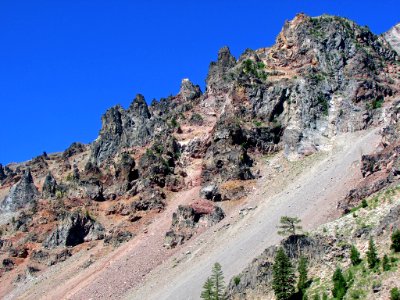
<point>188,90</point>
<point>21,195</point>
<point>187,219</point>
<point>118,237</point>
<point>49,187</point>
<point>74,149</point>
<point>122,128</point>
<point>94,189</point>
<point>151,199</point>
<point>74,229</point>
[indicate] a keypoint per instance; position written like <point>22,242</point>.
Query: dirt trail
<point>312,196</point>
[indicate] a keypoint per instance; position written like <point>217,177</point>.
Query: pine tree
<point>217,279</point>
<point>283,276</point>
<point>372,254</point>
<point>385,263</point>
<point>303,275</point>
<point>289,225</point>
<point>339,284</point>
<point>354,256</point>
<point>395,241</point>
<point>207,293</point>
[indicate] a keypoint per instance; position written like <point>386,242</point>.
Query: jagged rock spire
<point>22,194</point>
<point>49,186</point>
<point>188,90</point>
<point>139,107</point>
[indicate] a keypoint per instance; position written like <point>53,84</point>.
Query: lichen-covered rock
<point>187,219</point>
<point>125,168</point>
<point>123,128</point>
<point>49,187</point>
<point>73,229</point>
<point>94,189</point>
<point>159,161</point>
<point>226,158</point>
<point>22,194</point>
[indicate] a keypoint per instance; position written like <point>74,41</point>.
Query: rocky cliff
<point>323,76</point>
<point>393,37</point>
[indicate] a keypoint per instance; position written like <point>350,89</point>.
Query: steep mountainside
<point>393,37</point>
<point>160,175</point>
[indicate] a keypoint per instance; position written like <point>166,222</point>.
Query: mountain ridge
<point>325,77</point>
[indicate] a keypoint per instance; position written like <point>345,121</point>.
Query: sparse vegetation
<point>255,69</point>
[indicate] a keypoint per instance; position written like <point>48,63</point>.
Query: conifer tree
<point>217,279</point>
<point>207,293</point>
<point>289,225</point>
<point>385,263</point>
<point>283,281</point>
<point>354,256</point>
<point>303,275</point>
<point>372,254</point>
<point>395,241</point>
<point>339,284</point>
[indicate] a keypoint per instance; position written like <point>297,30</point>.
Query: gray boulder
<point>188,218</point>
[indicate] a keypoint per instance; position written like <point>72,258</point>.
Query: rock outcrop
<point>189,91</point>
<point>22,194</point>
<point>188,219</point>
<point>380,169</point>
<point>393,37</point>
<point>123,128</point>
<point>73,229</point>
<point>2,173</point>
<point>49,187</point>
<point>74,149</point>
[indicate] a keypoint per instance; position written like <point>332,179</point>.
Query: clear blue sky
<point>63,63</point>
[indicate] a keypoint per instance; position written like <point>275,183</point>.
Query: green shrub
<point>395,294</point>
<point>395,241</point>
<point>339,284</point>
<point>236,280</point>
<point>174,123</point>
<point>372,255</point>
<point>378,102</point>
<point>364,203</point>
<point>385,263</point>
<point>354,256</point>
